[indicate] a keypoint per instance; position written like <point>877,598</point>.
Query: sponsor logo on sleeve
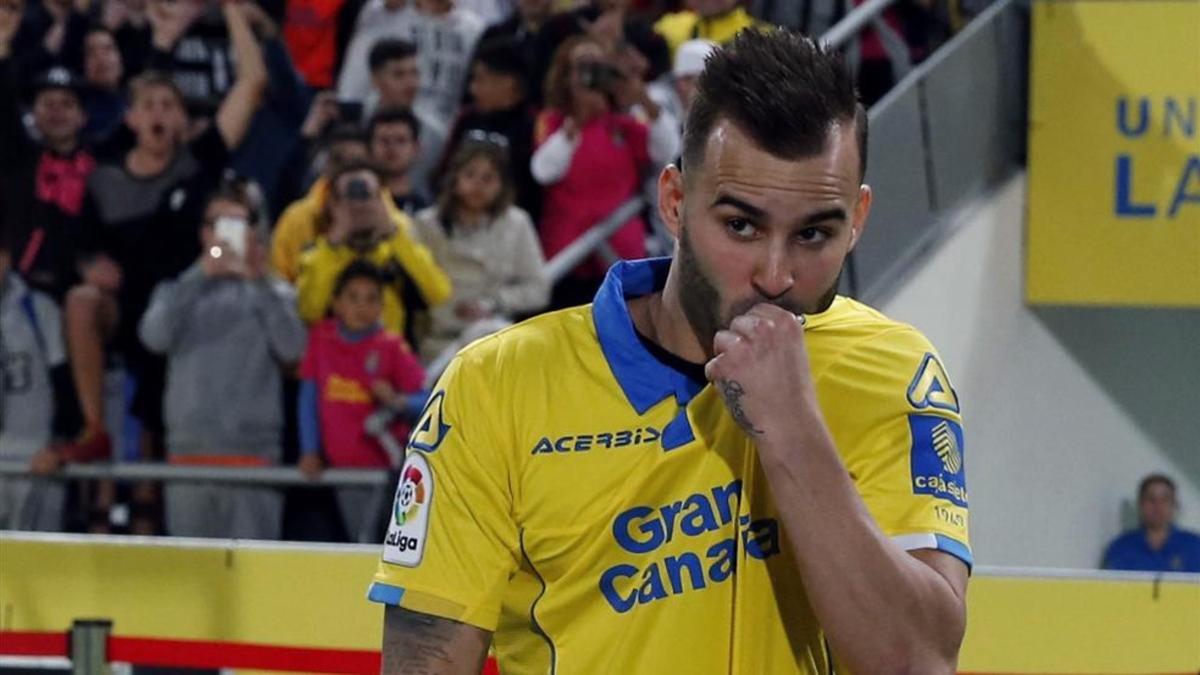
<point>937,458</point>
<point>930,387</point>
<point>431,428</point>
<point>409,525</point>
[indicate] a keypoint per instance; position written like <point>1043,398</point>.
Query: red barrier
<point>207,654</point>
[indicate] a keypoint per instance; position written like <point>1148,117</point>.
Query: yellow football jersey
<point>601,512</point>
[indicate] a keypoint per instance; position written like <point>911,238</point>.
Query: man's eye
<point>810,235</point>
<point>740,227</point>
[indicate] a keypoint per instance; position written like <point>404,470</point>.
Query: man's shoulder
<point>1125,540</point>
<point>858,325</point>
<point>1188,537</point>
<point>538,343</point>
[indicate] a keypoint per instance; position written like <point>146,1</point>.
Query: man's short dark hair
<point>390,49</point>
<point>360,269</point>
<point>782,89</point>
<point>1153,479</point>
<point>392,116</point>
<point>501,55</point>
<point>353,166</point>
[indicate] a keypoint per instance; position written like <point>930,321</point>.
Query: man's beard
<point>701,301</point>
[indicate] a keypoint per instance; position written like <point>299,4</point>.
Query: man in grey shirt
<point>226,329</point>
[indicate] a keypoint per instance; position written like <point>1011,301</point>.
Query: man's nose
<point>773,277</point>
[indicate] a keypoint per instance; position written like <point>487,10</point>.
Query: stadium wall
<point>1065,408</point>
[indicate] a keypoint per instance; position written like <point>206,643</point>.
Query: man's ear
<point>862,208</point>
<point>670,198</point>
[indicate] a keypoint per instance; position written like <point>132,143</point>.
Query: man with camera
<point>362,226</point>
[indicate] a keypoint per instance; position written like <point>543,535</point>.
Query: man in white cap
<point>689,63</point>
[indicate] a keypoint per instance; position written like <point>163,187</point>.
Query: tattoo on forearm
<point>418,644</point>
<point>733,391</point>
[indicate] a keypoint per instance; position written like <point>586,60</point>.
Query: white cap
<point>689,59</point>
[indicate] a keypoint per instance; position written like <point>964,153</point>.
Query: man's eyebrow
<point>730,200</point>
<point>835,213</point>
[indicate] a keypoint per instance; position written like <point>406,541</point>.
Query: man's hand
<point>262,23</point>
<point>45,461</point>
<point>311,466</point>
<point>321,113</point>
<point>103,273</point>
<point>217,262</point>
<point>474,309</point>
<point>384,393</point>
<point>170,20</point>
<point>11,12</point>
<point>761,369</point>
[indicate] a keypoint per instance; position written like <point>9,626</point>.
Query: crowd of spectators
<point>240,233</point>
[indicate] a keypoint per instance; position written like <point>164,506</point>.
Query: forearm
<point>552,160</point>
<point>881,609</point>
<point>251,68</point>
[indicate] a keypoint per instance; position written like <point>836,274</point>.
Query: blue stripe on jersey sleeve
<point>955,548</point>
<point>385,593</point>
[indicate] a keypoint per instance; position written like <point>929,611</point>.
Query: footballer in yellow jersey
<point>603,513</point>
<point>720,465</point>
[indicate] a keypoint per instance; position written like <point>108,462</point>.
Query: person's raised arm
<point>422,643</point>
<point>243,99</point>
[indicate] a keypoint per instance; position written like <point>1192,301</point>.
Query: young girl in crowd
<point>353,369</point>
<point>487,246</point>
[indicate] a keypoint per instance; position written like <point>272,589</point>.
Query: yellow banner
<point>315,597</point>
<point>1114,153</point>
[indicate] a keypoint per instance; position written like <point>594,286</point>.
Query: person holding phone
<point>590,157</point>
<point>226,328</point>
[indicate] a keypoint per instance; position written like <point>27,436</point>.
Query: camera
<point>598,75</point>
<point>357,190</point>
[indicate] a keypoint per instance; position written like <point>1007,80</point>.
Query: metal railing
<point>279,476</point>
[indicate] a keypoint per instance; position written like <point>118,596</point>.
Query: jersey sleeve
<point>898,426</point>
<point>452,541</point>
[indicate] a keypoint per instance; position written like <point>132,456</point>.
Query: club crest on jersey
<point>409,526</point>
<point>930,387</point>
<point>937,458</point>
<point>372,364</point>
<point>431,428</point>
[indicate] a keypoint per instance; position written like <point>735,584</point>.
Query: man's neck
<point>399,185</point>
<point>660,318</point>
<point>63,146</point>
<point>145,162</point>
<point>1157,537</point>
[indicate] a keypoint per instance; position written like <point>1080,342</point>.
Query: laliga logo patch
<point>410,496</point>
<point>407,531</point>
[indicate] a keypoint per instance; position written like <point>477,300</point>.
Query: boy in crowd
<point>353,368</point>
<point>225,328</point>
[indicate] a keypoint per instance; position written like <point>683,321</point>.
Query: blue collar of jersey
<point>645,380</point>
